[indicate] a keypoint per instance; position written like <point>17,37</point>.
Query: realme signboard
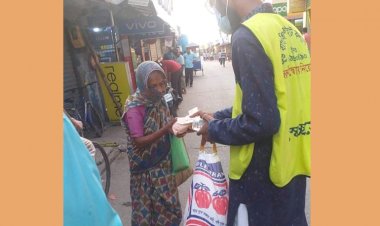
<point>119,79</point>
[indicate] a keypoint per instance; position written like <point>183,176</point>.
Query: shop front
<point>80,79</point>
<point>292,10</point>
<point>108,43</point>
<point>93,68</point>
<point>148,36</point>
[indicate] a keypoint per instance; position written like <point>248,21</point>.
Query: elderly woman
<point>148,124</point>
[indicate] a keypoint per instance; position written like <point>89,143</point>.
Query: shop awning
<point>149,8</point>
<point>164,11</point>
<point>144,18</point>
<point>148,18</point>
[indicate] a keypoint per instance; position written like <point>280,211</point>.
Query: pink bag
<point>207,202</point>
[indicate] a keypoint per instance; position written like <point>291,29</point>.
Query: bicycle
<point>104,163</point>
<point>92,123</point>
<point>104,167</point>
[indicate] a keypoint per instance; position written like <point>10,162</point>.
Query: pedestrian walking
<point>147,122</point>
<point>222,58</point>
<point>189,67</point>
<point>268,126</point>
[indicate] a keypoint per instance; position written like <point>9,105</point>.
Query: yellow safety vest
<point>290,58</point>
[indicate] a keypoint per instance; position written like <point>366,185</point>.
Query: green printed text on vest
<point>288,52</point>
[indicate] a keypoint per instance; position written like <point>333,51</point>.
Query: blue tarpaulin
<point>85,203</point>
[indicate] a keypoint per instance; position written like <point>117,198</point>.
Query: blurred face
<point>156,85</point>
<point>219,5</point>
<point>227,12</point>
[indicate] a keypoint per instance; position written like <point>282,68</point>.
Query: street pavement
<point>212,91</point>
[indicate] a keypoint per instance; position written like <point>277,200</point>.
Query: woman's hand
<point>77,124</point>
<point>169,125</point>
<point>143,141</point>
<point>181,135</point>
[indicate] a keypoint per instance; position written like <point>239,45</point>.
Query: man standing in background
<point>189,67</point>
<point>181,60</point>
<point>169,55</point>
<point>222,58</point>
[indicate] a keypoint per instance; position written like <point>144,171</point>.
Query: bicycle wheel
<point>94,122</point>
<point>104,167</point>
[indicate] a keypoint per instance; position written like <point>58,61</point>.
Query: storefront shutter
<point>70,84</point>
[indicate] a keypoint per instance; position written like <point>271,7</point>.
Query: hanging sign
<point>281,8</point>
<point>142,25</point>
<point>119,79</point>
<point>296,6</point>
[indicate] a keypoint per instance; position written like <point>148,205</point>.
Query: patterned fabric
<point>155,197</point>
<point>145,158</point>
<point>157,114</point>
<point>137,99</point>
<point>153,190</point>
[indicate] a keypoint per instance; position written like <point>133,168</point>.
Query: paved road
<point>210,92</point>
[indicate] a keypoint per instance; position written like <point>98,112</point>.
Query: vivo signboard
<point>142,25</point>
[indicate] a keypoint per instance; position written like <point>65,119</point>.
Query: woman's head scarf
<point>143,73</point>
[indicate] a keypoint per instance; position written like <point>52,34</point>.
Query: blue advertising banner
<point>102,37</point>
<point>103,43</point>
<point>141,26</point>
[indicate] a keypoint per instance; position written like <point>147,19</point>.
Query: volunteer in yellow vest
<point>268,126</point>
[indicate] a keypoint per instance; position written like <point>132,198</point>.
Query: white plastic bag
<point>207,202</point>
